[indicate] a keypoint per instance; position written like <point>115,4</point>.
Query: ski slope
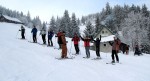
<point>24,61</point>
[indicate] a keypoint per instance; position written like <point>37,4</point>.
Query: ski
<point>21,39</point>
<point>114,63</point>
<point>41,44</point>
<point>119,63</point>
<point>86,57</point>
<point>31,42</point>
<point>57,48</point>
<point>111,63</point>
<point>96,59</point>
<point>75,54</point>
<point>49,46</point>
<point>64,58</point>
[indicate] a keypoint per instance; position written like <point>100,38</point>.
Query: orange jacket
<point>63,38</point>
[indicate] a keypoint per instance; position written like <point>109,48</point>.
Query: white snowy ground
<point>24,61</point>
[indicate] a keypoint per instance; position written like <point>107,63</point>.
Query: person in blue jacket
<point>50,35</point>
<point>34,32</point>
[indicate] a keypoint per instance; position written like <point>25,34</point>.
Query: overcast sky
<point>45,9</point>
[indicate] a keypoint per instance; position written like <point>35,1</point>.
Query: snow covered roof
<point>108,38</point>
<point>10,18</point>
<point>99,32</point>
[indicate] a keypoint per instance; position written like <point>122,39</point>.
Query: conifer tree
<point>89,30</point>
<point>74,26</point>
<point>53,25</point>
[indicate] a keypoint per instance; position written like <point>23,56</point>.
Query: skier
<point>137,51</point>
<point>63,43</point>
<point>115,49</point>
<point>123,47</point>
<point>34,31</point>
<point>86,45</point>
<point>22,32</point>
<point>97,43</point>
<point>58,40</point>
<point>76,40</point>
<point>127,49</point>
<point>50,35</point>
<point>43,34</point>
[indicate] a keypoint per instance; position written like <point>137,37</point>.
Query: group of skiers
<point>63,43</point>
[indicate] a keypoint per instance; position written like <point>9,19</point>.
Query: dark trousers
<point>114,52</point>
<point>34,38</point>
<point>76,48</point>
<point>59,46</point>
<point>22,34</point>
<point>97,51</point>
<point>87,50</point>
<point>50,41</point>
<point>43,38</point>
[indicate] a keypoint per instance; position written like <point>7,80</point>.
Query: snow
<point>24,61</point>
<point>10,18</point>
<point>82,28</point>
<point>108,38</point>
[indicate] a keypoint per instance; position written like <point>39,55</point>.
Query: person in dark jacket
<point>123,47</point>
<point>50,35</point>
<point>97,44</point>
<point>137,51</point>
<point>22,32</point>
<point>115,49</point>
<point>43,34</point>
<point>86,45</point>
<point>127,49</point>
<point>34,32</point>
<point>76,40</point>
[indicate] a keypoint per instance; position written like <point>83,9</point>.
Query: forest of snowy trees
<point>26,19</point>
<point>133,21</point>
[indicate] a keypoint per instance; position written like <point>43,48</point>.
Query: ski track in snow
<point>24,61</point>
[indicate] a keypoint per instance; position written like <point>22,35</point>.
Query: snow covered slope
<point>24,61</point>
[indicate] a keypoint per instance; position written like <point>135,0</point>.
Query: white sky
<point>45,9</point>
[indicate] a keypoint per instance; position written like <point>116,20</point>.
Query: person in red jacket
<point>87,45</point>
<point>76,40</point>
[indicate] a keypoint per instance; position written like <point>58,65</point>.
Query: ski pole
<point>71,47</point>
<point>55,42</point>
<point>79,48</point>
<point>17,34</point>
<point>30,37</point>
<point>69,54</point>
<point>25,35</point>
<point>38,38</point>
